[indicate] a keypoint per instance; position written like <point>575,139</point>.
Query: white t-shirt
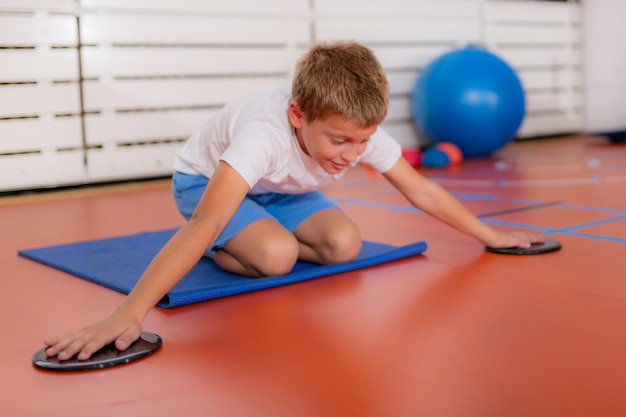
<point>254,136</point>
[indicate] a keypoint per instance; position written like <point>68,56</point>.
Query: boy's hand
<point>515,240</point>
<point>85,342</point>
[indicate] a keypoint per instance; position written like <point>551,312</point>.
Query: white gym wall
<point>604,65</point>
<point>153,70</point>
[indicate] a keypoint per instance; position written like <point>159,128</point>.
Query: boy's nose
<point>350,154</point>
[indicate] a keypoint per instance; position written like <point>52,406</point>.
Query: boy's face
<point>334,142</point>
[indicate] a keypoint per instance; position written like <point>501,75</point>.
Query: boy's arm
<point>436,201</point>
<point>222,197</point>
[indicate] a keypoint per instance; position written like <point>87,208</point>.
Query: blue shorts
<point>288,209</point>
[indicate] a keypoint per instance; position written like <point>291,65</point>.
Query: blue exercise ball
<point>469,97</point>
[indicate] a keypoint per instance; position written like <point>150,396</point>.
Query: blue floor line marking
<point>595,223</point>
<point>528,201</point>
<point>591,208</point>
<point>551,231</point>
<point>544,229</point>
<point>569,230</point>
<point>379,194</point>
<point>466,173</point>
<point>519,209</point>
<point>461,195</point>
<point>388,207</point>
<point>594,236</point>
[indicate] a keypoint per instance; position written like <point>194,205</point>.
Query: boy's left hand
<point>515,240</point>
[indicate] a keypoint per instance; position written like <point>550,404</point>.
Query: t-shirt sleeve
<point>382,151</point>
<point>252,152</point>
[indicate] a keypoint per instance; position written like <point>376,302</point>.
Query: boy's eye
<point>338,141</point>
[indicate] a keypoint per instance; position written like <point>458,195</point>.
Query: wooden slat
<point>145,62</point>
<point>265,7</point>
<point>138,127</point>
<point>530,35</point>
<point>402,83</point>
<point>550,101</point>
<point>192,29</point>
<point>29,30</point>
<point>21,135</point>
<point>155,94</point>
<point>541,57</point>
<point>113,162</point>
<point>404,133</point>
<point>439,9</point>
<point>550,124</point>
<point>35,5</point>
<point>399,109</point>
<point>379,30</point>
<point>19,65</point>
<point>46,169</point>
<point>408,57</point>
<point>532,11</point>
<point>559,78</point>
<point>33,99</point>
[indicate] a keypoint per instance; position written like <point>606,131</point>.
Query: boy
<point>247,183</point>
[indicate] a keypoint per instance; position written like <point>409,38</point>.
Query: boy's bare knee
<point>277,258</point>
<point>343,246</point>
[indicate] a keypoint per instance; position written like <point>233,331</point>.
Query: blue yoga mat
<point>118,262</point>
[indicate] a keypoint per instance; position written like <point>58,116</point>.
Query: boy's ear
<point>296,117</point>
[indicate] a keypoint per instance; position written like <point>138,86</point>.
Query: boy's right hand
<point>123,330</point>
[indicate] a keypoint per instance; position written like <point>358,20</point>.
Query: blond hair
<point>341,78</point>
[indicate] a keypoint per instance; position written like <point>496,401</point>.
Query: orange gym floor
<point>454,332</point>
